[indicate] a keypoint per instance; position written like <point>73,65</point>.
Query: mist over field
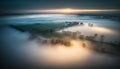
<point>60,41</point>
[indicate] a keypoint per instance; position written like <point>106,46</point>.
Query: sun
<point>67,10</point>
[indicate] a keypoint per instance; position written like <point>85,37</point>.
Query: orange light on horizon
<point>70,10</point>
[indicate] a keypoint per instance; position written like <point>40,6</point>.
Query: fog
<point>19,51</point>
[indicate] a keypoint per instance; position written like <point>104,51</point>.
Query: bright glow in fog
<point>76,55</point>
<point>85,29</point>
<point>90,31</point>
<point>103,30</point>
<point>34,53</point>
<point>60,55</point>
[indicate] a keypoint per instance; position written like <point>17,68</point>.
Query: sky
<point>13,5</point>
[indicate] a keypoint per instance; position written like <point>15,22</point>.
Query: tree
<point>95,35</point>
<point>102,38</point>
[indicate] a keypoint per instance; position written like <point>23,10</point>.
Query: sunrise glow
<point>70,10</point>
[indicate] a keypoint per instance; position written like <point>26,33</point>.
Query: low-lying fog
<point>18,50</point>
<point>111,35</point>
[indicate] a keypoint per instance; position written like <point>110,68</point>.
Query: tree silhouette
<point>95,35</point>
<point>102,38</point>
